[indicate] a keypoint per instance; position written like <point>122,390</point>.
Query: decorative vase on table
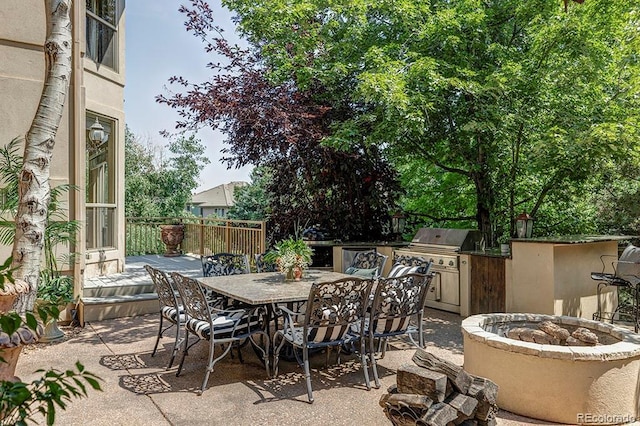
<point>288,274</point>
<point>172,236</point>
<point>297,273</point>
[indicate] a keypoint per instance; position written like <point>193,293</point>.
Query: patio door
<point>100,190</point>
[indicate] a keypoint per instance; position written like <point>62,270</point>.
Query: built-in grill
<point>441,247</point>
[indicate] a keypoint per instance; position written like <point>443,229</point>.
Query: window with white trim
<point>102,31</point>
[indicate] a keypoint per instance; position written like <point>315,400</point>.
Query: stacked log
<point>436,392</point>
<point>549,333</point>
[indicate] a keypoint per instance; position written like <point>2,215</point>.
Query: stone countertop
<point>357,244</point>
<point>491,252</point>
<point>573,239</point>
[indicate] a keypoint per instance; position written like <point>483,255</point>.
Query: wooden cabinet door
<point>487,284</point>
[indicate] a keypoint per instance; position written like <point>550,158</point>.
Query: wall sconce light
<point>524,225</point>
<point>97,135</point>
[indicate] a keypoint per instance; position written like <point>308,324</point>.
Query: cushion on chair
<point>172,314</point>
<point>328,334</point>
<point>399,269</point>
<point>360,272</point>
<point>392,325</point>
<point>223,325</point>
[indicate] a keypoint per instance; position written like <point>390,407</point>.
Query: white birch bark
<point>34,187</point>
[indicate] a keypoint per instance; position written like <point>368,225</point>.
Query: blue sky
<point>158,47</point>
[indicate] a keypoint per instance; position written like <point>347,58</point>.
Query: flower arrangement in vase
<point>292,256</point>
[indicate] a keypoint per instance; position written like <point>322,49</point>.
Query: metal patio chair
<point>262,266</point>
<point>226,327</point>
<point>222,264</point>
<point>395,302</point>
<point>367,264</point>
<point>332,309</point>
<point>403,264</point>
<point>170,309</point>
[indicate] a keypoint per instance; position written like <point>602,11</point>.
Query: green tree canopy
<point>251,201</point>
<point>280,126</point>
<point>156,186</point>
<point>487,108</point>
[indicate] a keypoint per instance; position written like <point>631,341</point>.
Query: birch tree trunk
<point>34,187</point>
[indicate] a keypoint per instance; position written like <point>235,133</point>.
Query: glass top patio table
<point>267,288</point>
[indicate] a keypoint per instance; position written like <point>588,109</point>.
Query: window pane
<point>100,227</point>
<point>101,43</point>
<point>105,9</point>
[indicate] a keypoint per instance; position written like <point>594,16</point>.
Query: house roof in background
<point>218,196</point>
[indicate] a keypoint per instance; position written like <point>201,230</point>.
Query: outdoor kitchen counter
<point>493,252</point>
<point>573,239</point>
<point>552,275</point>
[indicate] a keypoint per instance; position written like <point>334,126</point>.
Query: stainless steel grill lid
<point>456,239</point>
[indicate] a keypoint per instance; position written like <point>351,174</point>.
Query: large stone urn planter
<point>52,332</point>
<point>11,345</point>
<point>172,236</point>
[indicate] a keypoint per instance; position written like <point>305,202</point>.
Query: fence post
<point>201,234</point>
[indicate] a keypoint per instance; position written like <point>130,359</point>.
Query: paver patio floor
<point>138,390</point>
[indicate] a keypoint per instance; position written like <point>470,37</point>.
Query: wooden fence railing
<point>201,236</point>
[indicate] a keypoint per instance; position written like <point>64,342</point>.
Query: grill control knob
<point>441,261</point>
<point>451,263</point>
<point>431,260</point>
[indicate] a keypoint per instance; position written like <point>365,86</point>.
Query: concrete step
<point>130,293</point>
<point>125,284</point>
<point>102,308</point>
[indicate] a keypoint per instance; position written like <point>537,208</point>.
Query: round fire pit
<point>565,384</point>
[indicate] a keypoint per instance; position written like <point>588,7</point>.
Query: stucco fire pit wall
<point>565,384</point>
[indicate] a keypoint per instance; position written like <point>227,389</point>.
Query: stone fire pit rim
<point>473,327</point>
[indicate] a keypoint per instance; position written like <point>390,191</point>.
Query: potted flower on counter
<point>503,240</point>
<point>292,256</point>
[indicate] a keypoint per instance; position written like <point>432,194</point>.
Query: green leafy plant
<point>55,288</point>
<point>54,292</point>
<point>290,253</point>
<point>21,401</point>
<point>59,230</point>
<point>504,239</point>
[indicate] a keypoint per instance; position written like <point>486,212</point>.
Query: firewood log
<point>460,379</point>
<point>421,381</point>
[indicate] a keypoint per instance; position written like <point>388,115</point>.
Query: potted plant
<point>292,256</point>
<point>15,332</point>
<point>55,292</point>
<point>503,240</point>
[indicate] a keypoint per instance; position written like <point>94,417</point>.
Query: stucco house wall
<point>95,90</point>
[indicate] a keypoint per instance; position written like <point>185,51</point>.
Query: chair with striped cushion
<point>170,309</point>
<point>332,309</point>
<point>403,265</point>
<point>396,301</point>
<point>367,261</point>
<point>217,326</point>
